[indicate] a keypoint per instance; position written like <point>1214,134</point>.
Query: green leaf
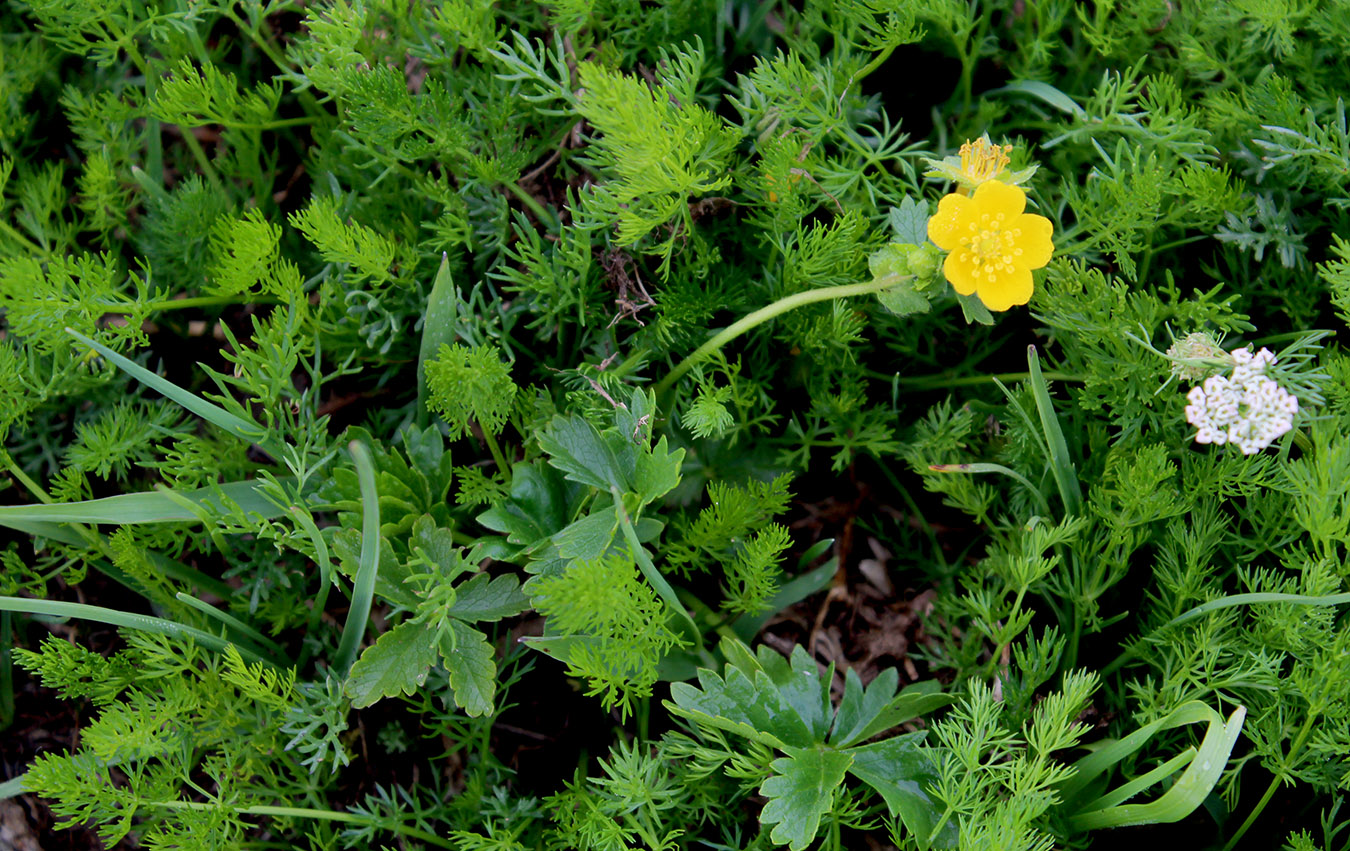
<point>800,792</point>
<point>586,455</point>
<point>438,329</point>
<point>245,430</point>
<point>156,507</point>
<point>1047,93</point>
<point>541,504</point>
<point>590,536</point>
<point>747,627</point>
<point>857,708</point>
<point>903,300</point>
<point>754,708</point>
<point>916,700</point>
<point>974,309</point>
<point>397,663</point>
<point>909,222</point>
<point>801,687</point>
<point>390,579</point>
<point>473,669</point>
<point>437,545</point>
<point>484,599</point>
<point>899,769</point>
<point>657,473</point>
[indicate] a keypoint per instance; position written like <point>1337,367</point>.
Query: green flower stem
<point>922,382</point>
<point>1225,603</point>
<point>1276,781</point>
<point>325,565</point>
<point>209,301</point>
<point>764,314</point>
<point>308,813</point>
<point>6,670</point>
<point>496,451</point>
<point>129,620</point>
<point>541,212</point>
<point>14,234</point>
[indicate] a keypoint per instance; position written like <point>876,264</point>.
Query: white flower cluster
<point>1248,409</point>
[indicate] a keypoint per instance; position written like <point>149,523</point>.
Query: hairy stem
<point>764,314</point>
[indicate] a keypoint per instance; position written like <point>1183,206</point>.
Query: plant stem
<point>306,812</point>
<point>496,451</point>
<point>1226,603</point>
<point>208,301</point>
<point>19,237</point>
<point>1274,781</point>
<point>6,670</point>
<point>764,314</point>
<point>924,381</point>
<point>541,212</point>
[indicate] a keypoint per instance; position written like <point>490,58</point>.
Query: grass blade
<point>233,623</point>
<point>131,508</point>
<point>438,328</point>
<point>1060,462</point>
<point>113,617</point>
<point>245,430</point>
<point>11,788</point>
<point>363,590</point>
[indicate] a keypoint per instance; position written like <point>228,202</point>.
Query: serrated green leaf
<point>800,792</point>
<point>858,707</point>
<point>974,309</point>
<point>588,456</point>
<point>801,687</point>
<point>590,536</point>
<point>750,707</point>
<point>903,300</point>
<point>540,504</point>
<point>909,222</point>
<point>470,659</point>
<point>397,663</point>
<point>437,545</point>
<point>392,575</point>
<point>657,472</point>
<point>484,599</point>
<point>916,700</point>
<point>899,770</point>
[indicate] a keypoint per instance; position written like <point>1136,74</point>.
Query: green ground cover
<point>606,424</point>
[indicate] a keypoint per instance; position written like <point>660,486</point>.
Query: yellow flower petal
<point>994,197</point>
<point>1007,290</point>
<point>943,226</point>
<point>1035,241</point>
<point>960,273</point>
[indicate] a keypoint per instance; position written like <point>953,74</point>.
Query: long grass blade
<point>1060,462</point>
<point>245,430</point>
<point>363,590</point>
<point>130,508</point>
<point>232,623</point>
<point>129,620</point>
<point>438,328</point>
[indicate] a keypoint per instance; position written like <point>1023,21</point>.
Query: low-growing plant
<point>700,424</point>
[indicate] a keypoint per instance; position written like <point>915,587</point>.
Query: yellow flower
<point>992,245</point>
<point>977,161</point>
<point>982,160</point>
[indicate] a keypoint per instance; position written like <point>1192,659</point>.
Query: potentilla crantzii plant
<point>597,424</point>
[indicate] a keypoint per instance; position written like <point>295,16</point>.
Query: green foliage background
<point>374,321</point>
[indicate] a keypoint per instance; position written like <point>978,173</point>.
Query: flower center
<point>990,247</point>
